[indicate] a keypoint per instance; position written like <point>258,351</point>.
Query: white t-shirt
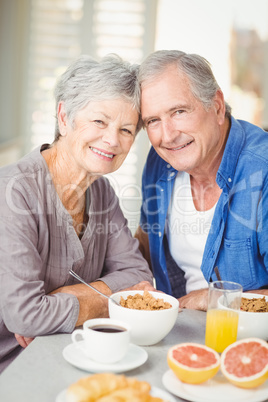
<point>187,230</point>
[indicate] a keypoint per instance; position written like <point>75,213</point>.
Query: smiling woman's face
<point>101,136</point>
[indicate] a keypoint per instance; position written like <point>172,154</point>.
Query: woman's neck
<point>70,185</point>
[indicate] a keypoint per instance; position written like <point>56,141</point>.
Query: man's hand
<point>263,292</point>
<point>23,341</point>
<point>196,300</point>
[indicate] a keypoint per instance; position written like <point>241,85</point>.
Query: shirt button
<point>172,174</point>
<point>159,234</point>
<point>168,165</point>
<point>229,179</point>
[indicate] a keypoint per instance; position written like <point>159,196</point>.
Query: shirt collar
<point>168,172</point>
<point>233,148</point>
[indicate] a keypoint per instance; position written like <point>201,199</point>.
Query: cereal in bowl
<point>255,305</point>
<point>144,301</point>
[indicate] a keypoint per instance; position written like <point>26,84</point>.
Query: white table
<point>40,372</point>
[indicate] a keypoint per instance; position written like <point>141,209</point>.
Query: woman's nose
<point>111,137</point>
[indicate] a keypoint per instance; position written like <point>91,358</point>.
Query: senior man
<point>205,184</point>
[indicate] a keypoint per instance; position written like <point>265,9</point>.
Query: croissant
<point>108,387</point>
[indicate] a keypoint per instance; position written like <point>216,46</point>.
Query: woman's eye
<point>125,130</point>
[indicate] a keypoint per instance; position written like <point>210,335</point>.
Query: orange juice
<point>221,328</point>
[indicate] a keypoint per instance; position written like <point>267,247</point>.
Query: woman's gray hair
<point>202,81</point>
<point>87,80</point>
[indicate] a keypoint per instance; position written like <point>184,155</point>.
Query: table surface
<point>40,372</point>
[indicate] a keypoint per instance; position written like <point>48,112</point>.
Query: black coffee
<point>108,328</point>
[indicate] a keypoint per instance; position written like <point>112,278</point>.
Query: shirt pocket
<point>239,261</point>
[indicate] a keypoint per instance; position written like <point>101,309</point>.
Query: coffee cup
<point>104,340</point>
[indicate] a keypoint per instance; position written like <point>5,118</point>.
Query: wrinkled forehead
<point>152,73</point>
<point>163,91</point>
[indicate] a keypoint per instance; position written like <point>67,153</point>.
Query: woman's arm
<point>91,303</point>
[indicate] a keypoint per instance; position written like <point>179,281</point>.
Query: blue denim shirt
<point>238,239</point>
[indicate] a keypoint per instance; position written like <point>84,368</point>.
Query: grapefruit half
<point>193,363</point>
<point>245,363</point>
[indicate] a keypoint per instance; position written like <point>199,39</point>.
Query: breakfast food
<point>193,363</point>
<point>245,362</point>
<point>259,305</point>
<point>108,387</point>
<point>144,301</point>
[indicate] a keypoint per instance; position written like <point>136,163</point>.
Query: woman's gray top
<point>39,246</point>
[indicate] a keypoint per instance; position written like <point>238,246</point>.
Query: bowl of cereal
<point>253,317</point>
<point>151,315</point>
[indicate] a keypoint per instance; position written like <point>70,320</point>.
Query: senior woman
<point>58,213</point>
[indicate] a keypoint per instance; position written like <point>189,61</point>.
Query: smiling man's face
<point>181,130</point>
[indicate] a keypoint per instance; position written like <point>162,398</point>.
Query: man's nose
<point>169,133</point>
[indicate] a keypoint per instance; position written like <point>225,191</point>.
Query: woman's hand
<point>144,285</point>
<point>91,304</point>
<point>23,341</point>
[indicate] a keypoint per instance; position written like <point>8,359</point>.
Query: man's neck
<point>205,190</point>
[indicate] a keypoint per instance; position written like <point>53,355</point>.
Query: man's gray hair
<point>87,80</point>
<point>202,81</point>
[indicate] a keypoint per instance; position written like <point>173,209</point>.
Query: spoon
<point>74,274</point>
<point>217,272</point>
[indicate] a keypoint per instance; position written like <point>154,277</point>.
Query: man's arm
<point>196,300</point>
<point>144,245</point>
<point>263,292</point>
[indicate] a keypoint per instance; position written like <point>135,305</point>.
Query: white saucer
<point>156,392</point>
<point>135,357</point>
<point>216,389</point>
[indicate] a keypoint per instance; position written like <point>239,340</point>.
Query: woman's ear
<point>62,119</point>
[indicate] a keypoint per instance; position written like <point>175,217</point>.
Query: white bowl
<point>147,327</point>
<point>252,324</point>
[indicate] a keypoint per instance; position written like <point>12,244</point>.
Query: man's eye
<point>180,111</point>
<point>150,122</point>
<point>98,122</point>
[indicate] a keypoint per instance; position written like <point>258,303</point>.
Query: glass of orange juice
<point>224,300</point>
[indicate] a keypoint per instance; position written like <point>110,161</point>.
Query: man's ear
<point>62,119</point>
<point>219,105</point>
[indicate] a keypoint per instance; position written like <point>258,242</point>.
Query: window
<point>61,30</point>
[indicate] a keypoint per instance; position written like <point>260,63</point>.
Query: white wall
<point>204,27</point>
